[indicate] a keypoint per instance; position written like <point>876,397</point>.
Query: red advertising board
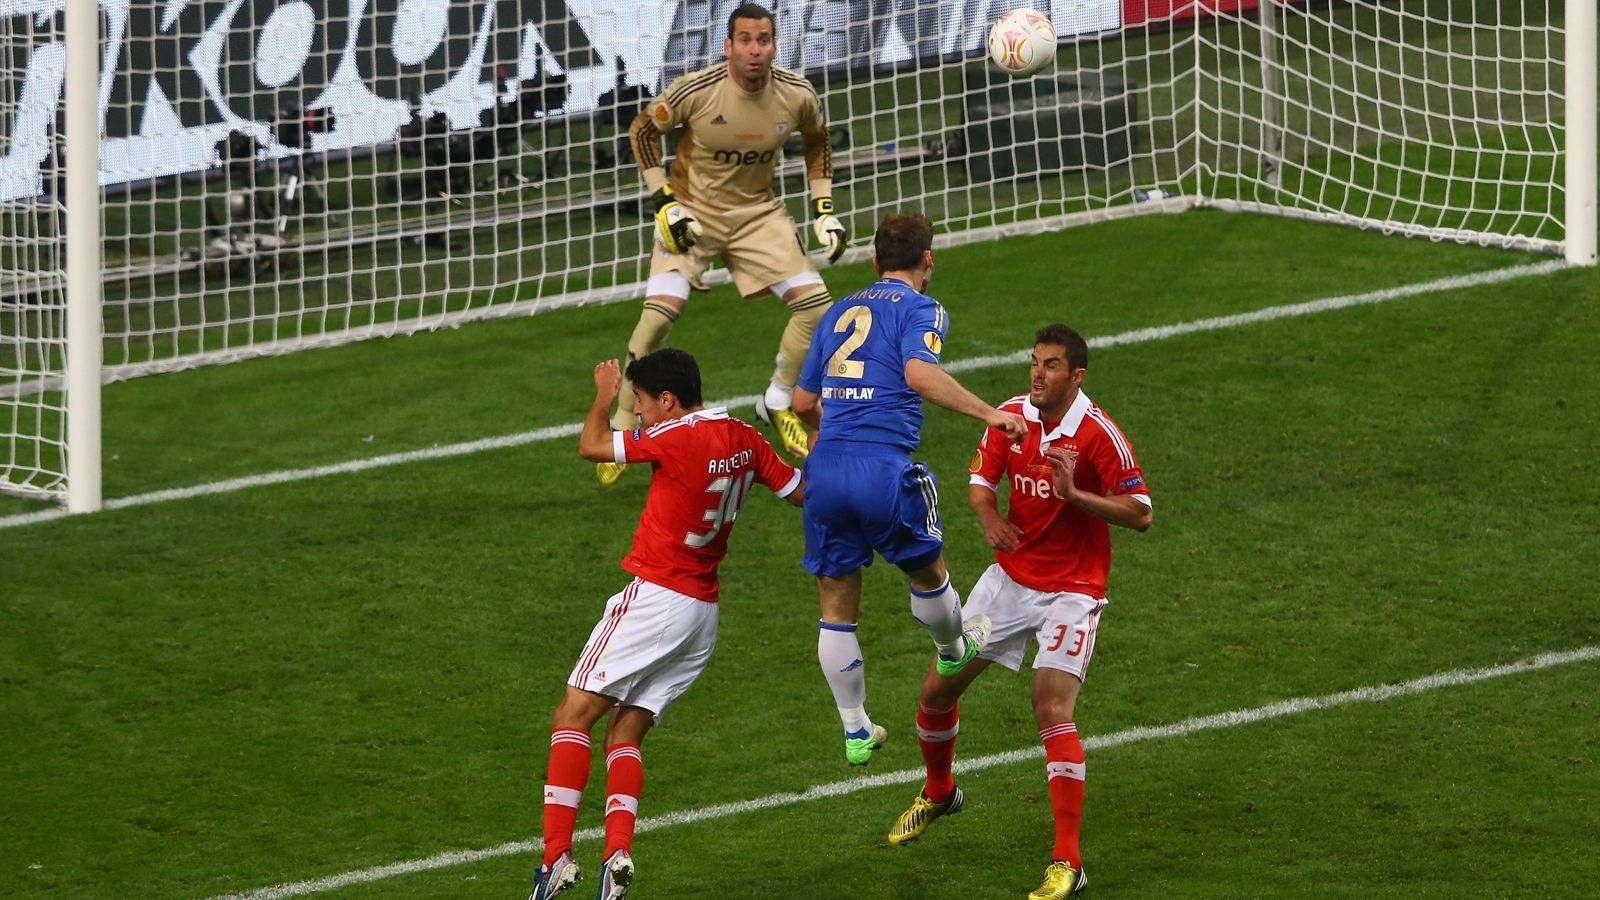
<point>1138,12</point>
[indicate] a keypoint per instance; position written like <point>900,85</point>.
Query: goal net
<point>285,174</point>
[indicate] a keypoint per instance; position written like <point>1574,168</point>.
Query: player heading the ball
<point>875,358</point>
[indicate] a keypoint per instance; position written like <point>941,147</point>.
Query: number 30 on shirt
<point>731,491</point>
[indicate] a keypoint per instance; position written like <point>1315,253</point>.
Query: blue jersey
<point>857,363</point>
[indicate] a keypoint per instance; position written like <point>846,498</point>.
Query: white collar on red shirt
<point>703,414</point>
<point>1069,422</point>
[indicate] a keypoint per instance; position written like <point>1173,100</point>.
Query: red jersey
<point>702,465</point>
<point>1062,547</point>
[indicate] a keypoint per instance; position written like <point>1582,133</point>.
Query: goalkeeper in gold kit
<point>718,202</point>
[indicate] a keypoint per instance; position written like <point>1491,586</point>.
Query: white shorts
<point>1063,623</point>
<point>651,644</point>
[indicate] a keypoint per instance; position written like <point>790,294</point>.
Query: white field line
<point>1232,719</point>
<point>1137,336</point>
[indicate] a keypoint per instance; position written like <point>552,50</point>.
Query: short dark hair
<point>751,11</point>
<point>1062,336</point>
<point>901,240</point>
<point>669,369</point>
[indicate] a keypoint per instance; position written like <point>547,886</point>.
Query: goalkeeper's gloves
<point>829,230</point>
<point>675,224</point>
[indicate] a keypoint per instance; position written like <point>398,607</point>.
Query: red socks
<point>936,732</point>
<point>624,779</point>
<point>1064,767</point>
<point>568,775</point>
<point>563,790</point>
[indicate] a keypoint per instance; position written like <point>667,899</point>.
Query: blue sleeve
<point>926,329</point>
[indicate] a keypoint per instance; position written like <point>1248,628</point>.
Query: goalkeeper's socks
<point>1064,765</point>
<point>624,780</point>
<point>936,733</point>
<point>649,335</point>
<point>839,653</point>
<point>778,395</point>
<point>939,611</point>
<point>805,311</point>
<point>563,789</point>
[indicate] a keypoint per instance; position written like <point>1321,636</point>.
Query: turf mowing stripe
<point>286,475</point>
<point>1137,336</point>
<point>1232,719</point>
<point>1310,307</point>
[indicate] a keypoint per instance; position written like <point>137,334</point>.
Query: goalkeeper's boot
<point>555,878</point>
<point>975,635</point>
<point>615,876</point>
<point>916,819</point>
<point>607,473</point>
<point>793,431</point>
<point>1061,881</point>
<point>858,751</point>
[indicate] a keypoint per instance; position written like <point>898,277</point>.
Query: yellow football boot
<point>916,819</point>
<point>796,439</point>
<point>1061,881</point>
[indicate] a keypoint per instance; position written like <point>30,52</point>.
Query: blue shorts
<point>863,497</point>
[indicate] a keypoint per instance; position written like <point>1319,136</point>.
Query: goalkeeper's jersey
<point>732,139</point>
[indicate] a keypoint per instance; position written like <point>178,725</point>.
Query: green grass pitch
<point>294,682</point>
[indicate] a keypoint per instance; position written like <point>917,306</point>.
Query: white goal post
<point>193,182</point>
<point>83,361</point>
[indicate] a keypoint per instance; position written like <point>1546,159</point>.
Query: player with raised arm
<point>656,634</point>
<point>1071,478</point>
<point>718,202</point>
<point>874,360</point>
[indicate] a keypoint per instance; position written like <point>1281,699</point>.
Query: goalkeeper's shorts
<point>758,244</point>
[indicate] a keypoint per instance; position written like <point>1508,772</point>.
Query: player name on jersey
<point>892,294</point>
<point>729,464</point>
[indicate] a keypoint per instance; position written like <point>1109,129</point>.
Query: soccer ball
<point>1022,42</point>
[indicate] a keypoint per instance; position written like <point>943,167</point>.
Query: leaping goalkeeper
<point>718,202</point>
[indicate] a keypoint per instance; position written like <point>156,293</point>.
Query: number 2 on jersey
<point>731,490</point>
<point>840,363</point>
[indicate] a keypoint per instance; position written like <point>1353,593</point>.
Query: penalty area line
<point>1235,719</point>
<point>1137,336</point>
